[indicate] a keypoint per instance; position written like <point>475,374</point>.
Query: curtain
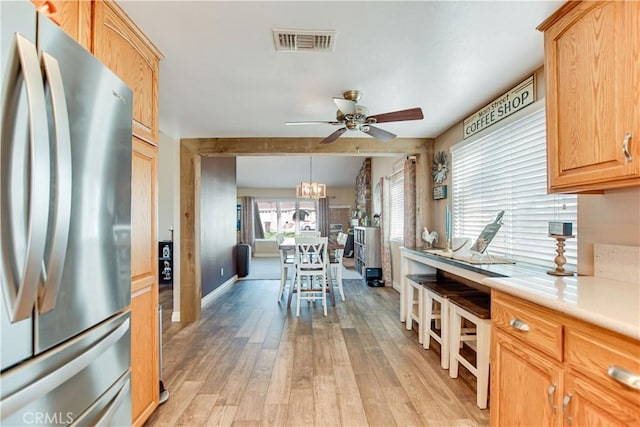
<point>323,216</point>
<point>385,218</point>
<point>247,221</point>
<point>409,203</point>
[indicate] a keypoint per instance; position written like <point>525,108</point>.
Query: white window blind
<point>396,229</point>
<point>507,170</point>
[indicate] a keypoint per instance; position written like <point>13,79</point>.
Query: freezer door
<point>66,384</point>
<point>15,171</point>
<point>94,266</point>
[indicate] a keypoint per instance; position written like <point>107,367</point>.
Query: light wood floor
<point>250,362</point>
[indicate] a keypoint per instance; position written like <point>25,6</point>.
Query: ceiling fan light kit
<point>355,117</point>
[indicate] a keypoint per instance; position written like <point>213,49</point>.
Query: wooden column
<point>190,271</point>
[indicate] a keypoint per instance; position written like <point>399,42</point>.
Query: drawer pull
<point>565,408</point>
<point>625,147</point>
<point>550,392</point>
<point>519,325</point>
<point>624,377</point>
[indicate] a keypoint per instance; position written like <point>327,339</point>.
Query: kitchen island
<point>610,304</point>
<point>574,341</point>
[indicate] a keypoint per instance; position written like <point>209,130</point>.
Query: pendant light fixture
<point>311,190</point>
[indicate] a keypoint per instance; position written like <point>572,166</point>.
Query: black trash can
<point>243,259</point>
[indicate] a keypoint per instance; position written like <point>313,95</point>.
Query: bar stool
<point>436,309</point>
<point>475,309</point>
<point>415,313</point>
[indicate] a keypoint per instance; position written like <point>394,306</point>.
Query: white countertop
<point>611,304</point>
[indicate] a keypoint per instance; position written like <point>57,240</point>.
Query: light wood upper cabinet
<point>127,52</point>
<point>74,17</point>
<point>592,67</point>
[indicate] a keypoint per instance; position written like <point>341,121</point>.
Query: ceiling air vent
<point>304,40</point>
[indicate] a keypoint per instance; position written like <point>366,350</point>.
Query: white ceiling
<point>221,75</point>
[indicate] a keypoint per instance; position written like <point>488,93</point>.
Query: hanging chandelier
<point>311,190</point>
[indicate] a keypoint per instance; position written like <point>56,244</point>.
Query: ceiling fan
<point>353,116</point>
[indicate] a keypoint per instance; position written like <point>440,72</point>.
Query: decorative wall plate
<point>440,167</point>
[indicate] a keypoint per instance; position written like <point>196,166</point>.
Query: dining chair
<point>336,266</point>
<point>311,261</point>
<point>286,265</point>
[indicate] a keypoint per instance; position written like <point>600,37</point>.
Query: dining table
<point>289,244</point>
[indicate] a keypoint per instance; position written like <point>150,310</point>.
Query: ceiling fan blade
<point>313,123</point>
<point>397,116</point>
<point>345,105</point>
<point>337,134</point>
<point>380,134</point>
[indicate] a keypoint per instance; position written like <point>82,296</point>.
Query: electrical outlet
<point>221,271</point>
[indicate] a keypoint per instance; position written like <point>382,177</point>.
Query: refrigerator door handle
<point>54,259</point>
<point>20,287</point>
<point>44,385</point>
<point>120,398</point>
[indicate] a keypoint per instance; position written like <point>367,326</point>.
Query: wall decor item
<point>487,234</point>
<point>523,94</point>
<point>439,192</point>
<point>440,167</point>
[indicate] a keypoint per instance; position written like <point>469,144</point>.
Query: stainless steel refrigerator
<point>65,219</point>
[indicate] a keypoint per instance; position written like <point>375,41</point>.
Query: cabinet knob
<point>624,377</point>
<point>625,147</point>
<point>565,408</point>
<point>519,325</point>
<point>550,393</point>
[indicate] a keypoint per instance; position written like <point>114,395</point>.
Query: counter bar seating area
<point>453,314</point>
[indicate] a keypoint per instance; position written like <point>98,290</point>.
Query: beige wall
<point>169,205</point>
<point>613,217</point>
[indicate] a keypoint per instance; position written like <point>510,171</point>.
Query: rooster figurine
<point>429,238</point>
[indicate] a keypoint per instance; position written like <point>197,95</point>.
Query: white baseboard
<point>396,286</point>
<point>217,291</point>
<point>175,316</point>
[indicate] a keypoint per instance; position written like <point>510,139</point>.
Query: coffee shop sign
<point>516,99</point>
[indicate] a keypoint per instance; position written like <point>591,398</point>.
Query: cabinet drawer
<point>591,352</point>
<point>534,325</point>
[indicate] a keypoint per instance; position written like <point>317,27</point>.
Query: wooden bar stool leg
<point>444,333</point>
<point>426,318</point>
<point>419,316</point>
<point>456,323</point>
<point>409,307</point>
<point>482,362</point>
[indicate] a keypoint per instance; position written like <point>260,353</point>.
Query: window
<point>396,229</point>
<point>288,217</point>
<point>507,170</point>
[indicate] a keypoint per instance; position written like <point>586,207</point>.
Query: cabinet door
<point>144,177</point>
<point>75,19</point>
<point>593,86</point>
<point>590,405</point>
<point>144,282</point>
<point>145,381</point>
<point>124,49</point>
<point>525,386</point>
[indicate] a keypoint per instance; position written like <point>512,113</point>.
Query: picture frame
<point>439,192</point>
<point>486,236</point>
